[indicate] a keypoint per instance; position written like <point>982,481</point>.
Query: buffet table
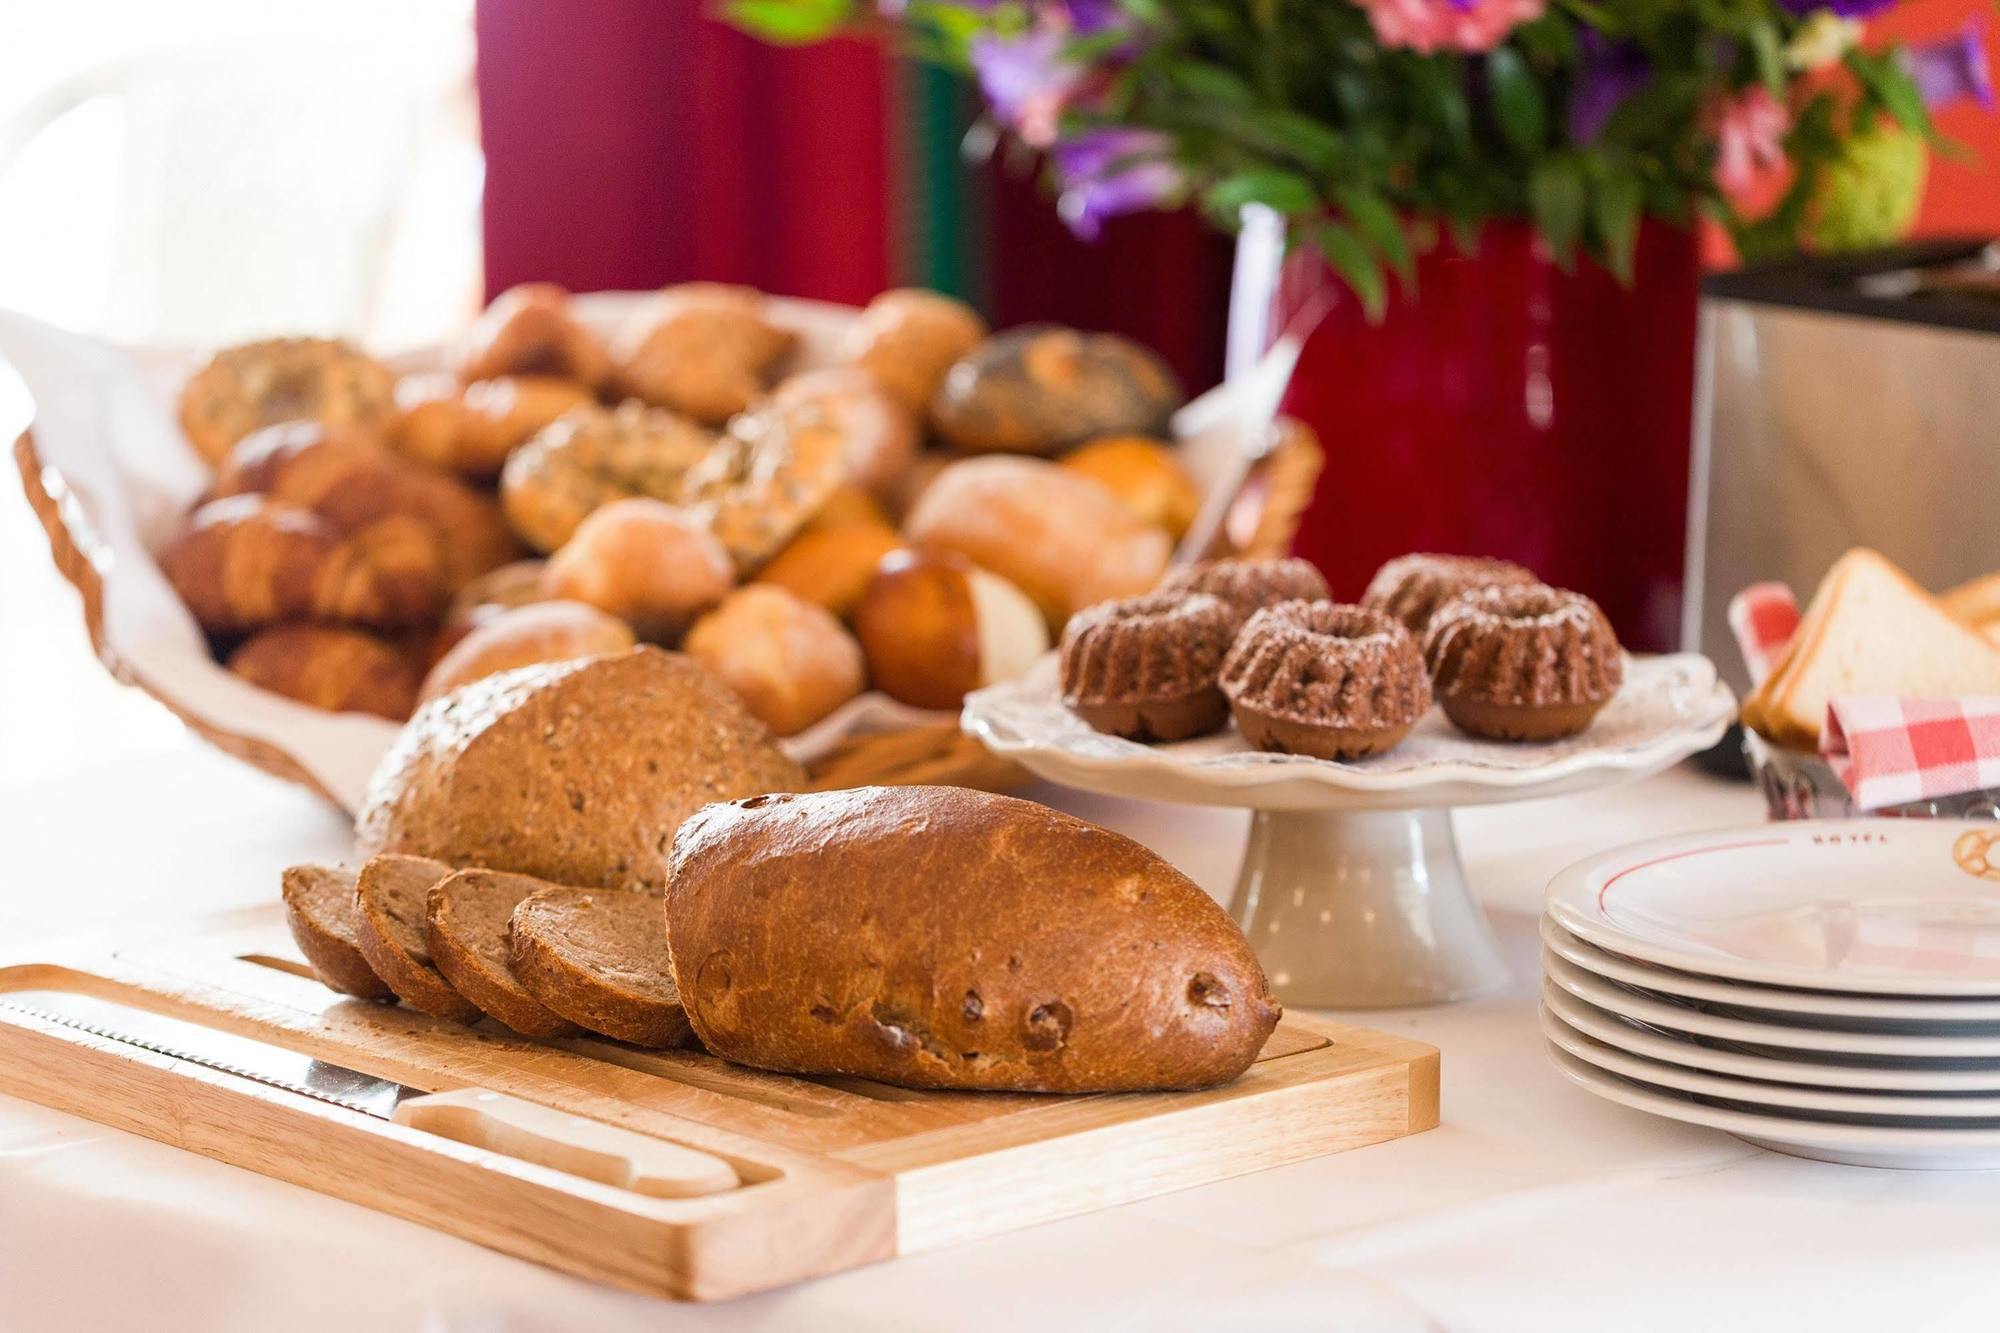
<point>1534,1206</point>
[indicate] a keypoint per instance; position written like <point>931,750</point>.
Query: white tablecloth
<point>1534,1206</point>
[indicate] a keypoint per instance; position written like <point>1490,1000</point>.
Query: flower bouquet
<point>1371,123</point>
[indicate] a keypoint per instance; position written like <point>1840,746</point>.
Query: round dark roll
<point>1145,667</point>
<point>1325,679</point>
<point>1523,663</point>
<point>1250,585</point>
<point>1412,587</point>
<point>1042,388</point>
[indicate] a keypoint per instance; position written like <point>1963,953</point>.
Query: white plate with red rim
<point>1678,1016</point>
<point>1886,1013</point>
<point>1856,1073</point>
<point>1754,1092</point>
<point>1880,906</point>
<point>1897,1146</point>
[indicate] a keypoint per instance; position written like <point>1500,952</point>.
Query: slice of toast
<point>1869,630</point>
<point>1976,602</point>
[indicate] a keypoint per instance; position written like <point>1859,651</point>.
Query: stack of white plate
<point>1830,990</point>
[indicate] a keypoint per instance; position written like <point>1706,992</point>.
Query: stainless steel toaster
<point>1839,403</point>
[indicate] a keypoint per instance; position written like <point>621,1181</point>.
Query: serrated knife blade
<point>224,1052</point>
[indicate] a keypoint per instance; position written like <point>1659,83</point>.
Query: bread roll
<point>701,348</point>
<point>1060,537</point>
<point>934,627</point>
<point>543,632</point>
<point>577,772</point>
<point>829,564</point>
<point>590,457</point>
<point>908,339</point>
<point>936,937</point>
<point>880,435</point>
<point>645,562</point>
<point>498,416</point>
<point>326,666</point>
<point>1146,475</point>
<point>789,661</point>
<point>529,330</point>
<point>246,388</point>
<point>1042,389</point>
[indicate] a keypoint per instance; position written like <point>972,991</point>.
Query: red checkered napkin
<point>1763,617</point>
<point>1889,751</point>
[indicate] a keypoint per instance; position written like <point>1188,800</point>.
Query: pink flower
<point>1749,140</point>
<point>1448,25</point>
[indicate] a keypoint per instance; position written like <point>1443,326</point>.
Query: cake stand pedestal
<point>1363,909</point>
<point>1351,891</point>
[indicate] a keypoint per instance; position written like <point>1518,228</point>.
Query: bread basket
<point>106,471</point>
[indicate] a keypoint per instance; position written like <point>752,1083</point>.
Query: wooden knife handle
<point>562,1142</point>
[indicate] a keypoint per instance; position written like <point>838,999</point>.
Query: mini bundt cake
<point>1145,667</point>
<point>1412,587</point>
<point>1325,679</point>
<point>1250,585</point>
<point>1522,663</point>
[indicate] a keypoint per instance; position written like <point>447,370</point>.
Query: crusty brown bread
<point>319,908</point>
<point>937,937</point>
<point>390,897</point>
<point>599,958</point>
<point>466,918</point>
<point>576,772</point>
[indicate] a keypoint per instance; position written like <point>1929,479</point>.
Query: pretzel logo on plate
<point>1974,853</point>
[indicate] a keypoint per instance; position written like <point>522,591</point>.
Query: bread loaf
<point>577,772</point>
<point>936,937</point>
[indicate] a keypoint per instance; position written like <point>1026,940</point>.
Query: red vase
<point>1506,408</point>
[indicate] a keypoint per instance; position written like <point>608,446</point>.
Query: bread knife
<point>475,1117</point>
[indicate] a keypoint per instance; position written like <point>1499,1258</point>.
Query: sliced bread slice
<point>1976,601</point>
<point>465,919</point>
<point>319,908</point>
<point>391,893</point>
<point>599,958</point>
<point>1870,630</point>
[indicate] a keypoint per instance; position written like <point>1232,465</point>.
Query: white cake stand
<point>1351,889</point>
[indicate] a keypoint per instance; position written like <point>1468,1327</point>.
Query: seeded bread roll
<point>576,772</point>
<point>936,937</point>
<point>319,907</point>
<point>390,896</point>
<point>599,958</point>
<point>466,919</point>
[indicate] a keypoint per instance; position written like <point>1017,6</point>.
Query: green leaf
<point>1768,47</point>
<point>1286,191</point>
<point>1374,218</point>
<point>1890,84</point>
<point>1557,196</point>
<point>1350,258</point>
<point>790,21</point>
<point>1517,99</point>
<point>1616,207</point>
<point>1210,82</point>
<point>1310,140</point>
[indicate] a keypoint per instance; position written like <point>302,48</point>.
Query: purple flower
<point>1847,9</point>
<point>1104,173</point>
<point>1953,67</point>
<point>1610,73</point>
<point>1026,80</point>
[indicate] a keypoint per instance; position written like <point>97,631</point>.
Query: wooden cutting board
<point>821,1174</point>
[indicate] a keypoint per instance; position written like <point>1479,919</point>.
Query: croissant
<point>352,482</point>
<point>327,666</point>
<point>246,561</point>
